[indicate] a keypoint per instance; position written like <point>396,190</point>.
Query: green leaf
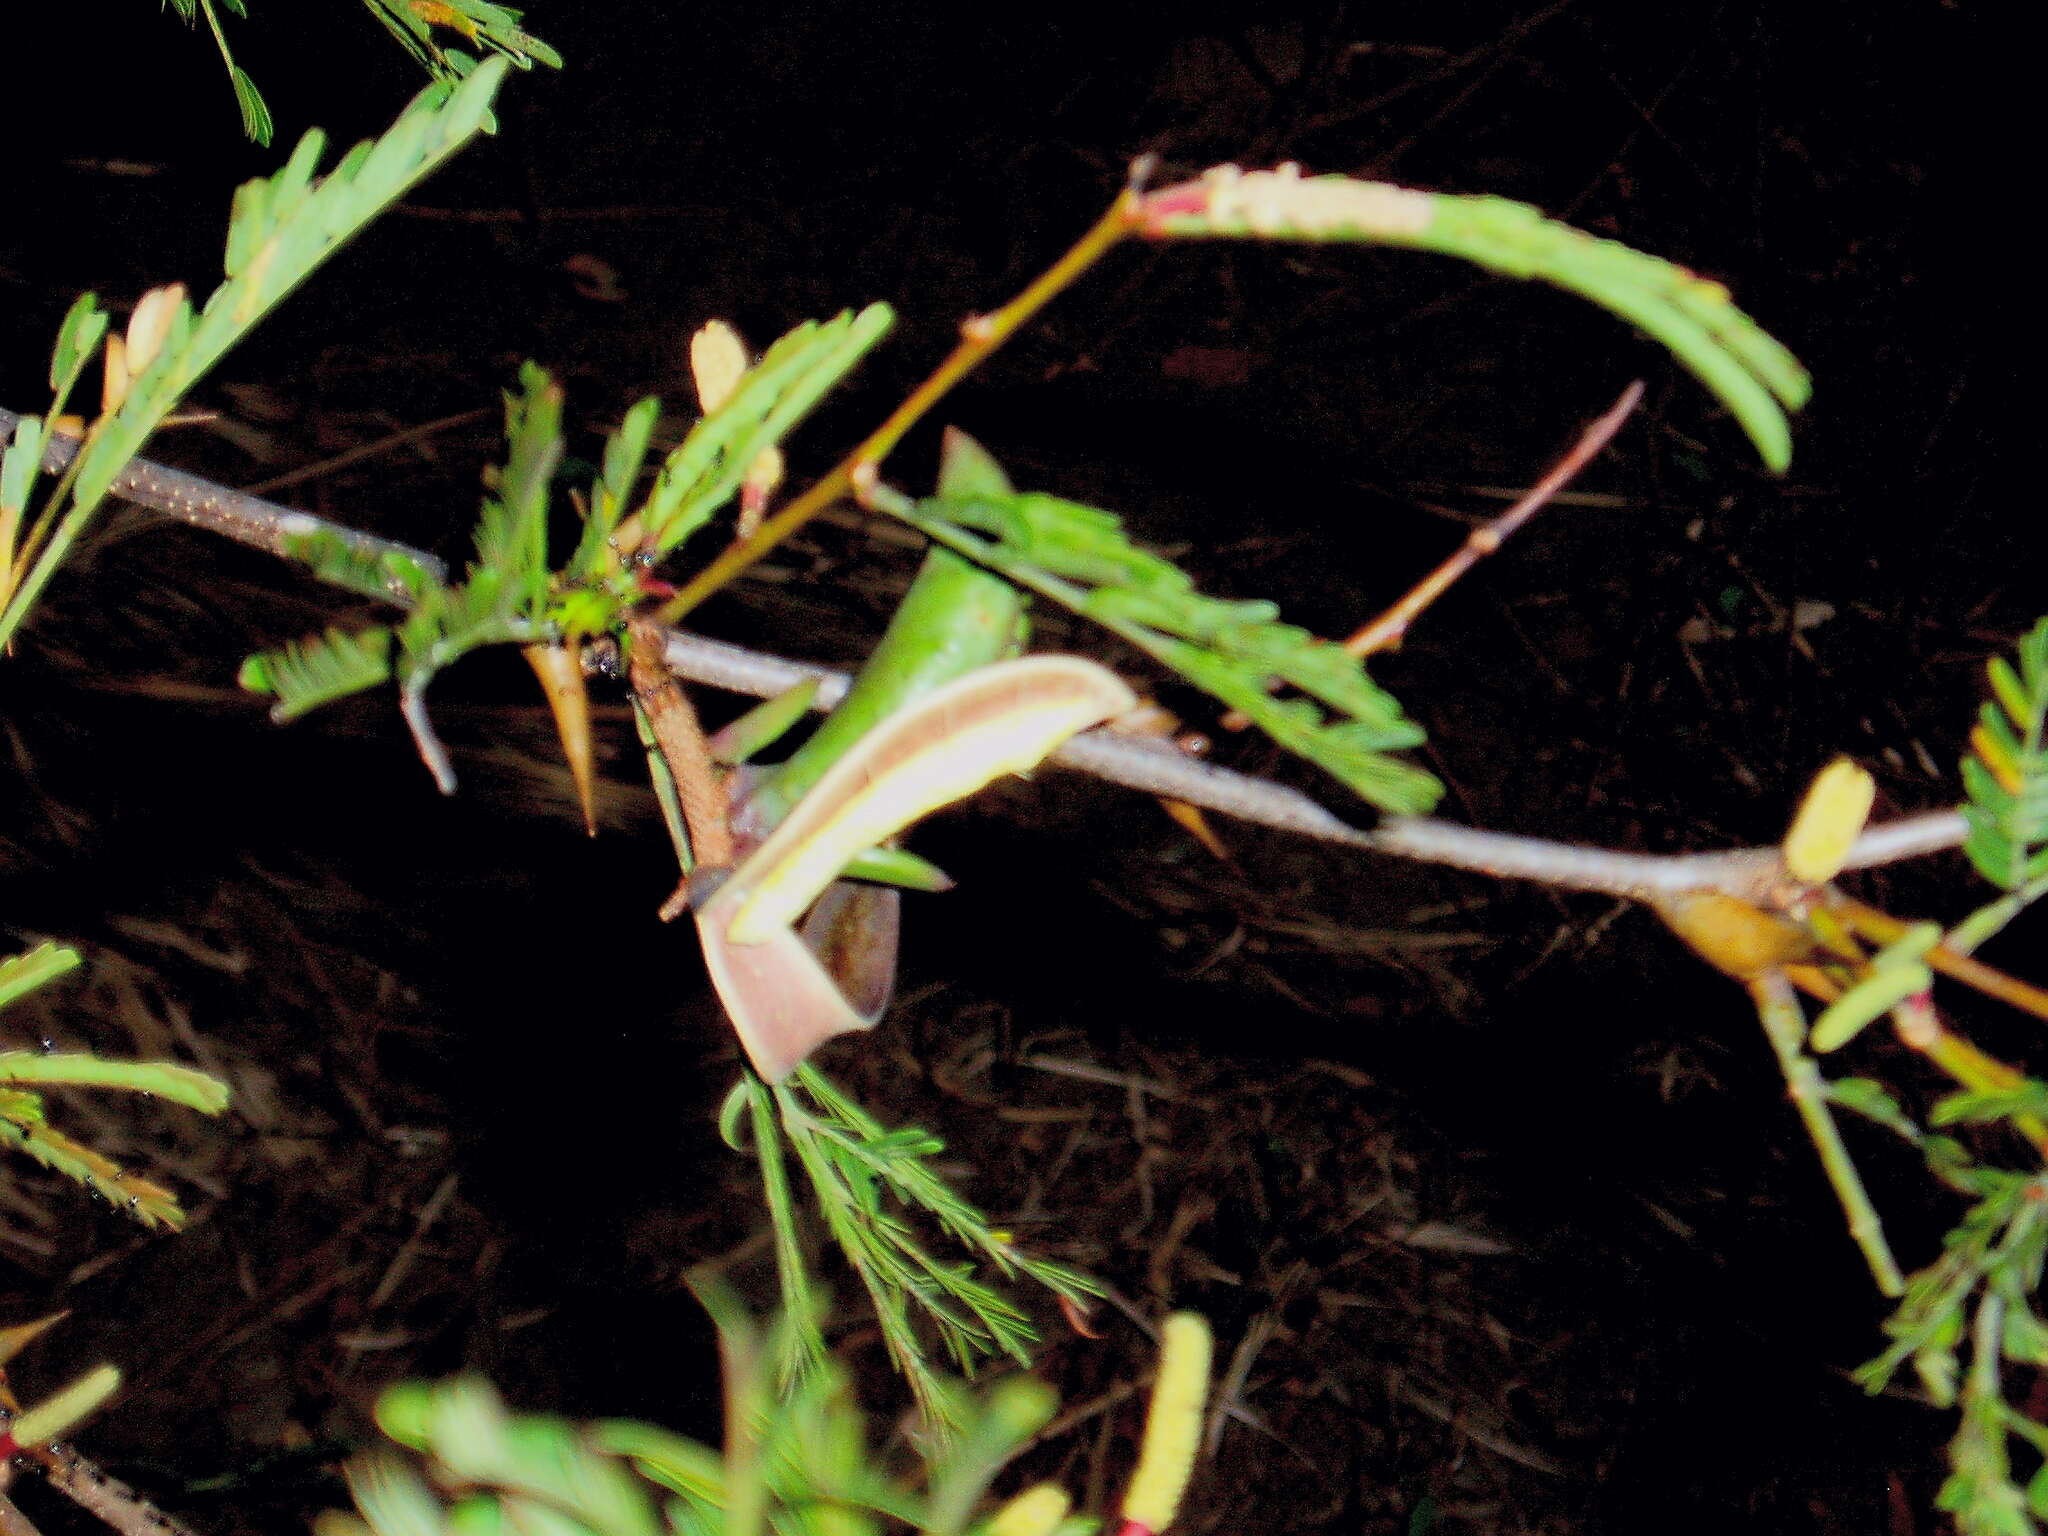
<point>24,1127</point>
<point>318,670</point>
<point>280,232</point>
<point>966,469</point>
<point>2006,776</point>
<point>367,567</point>
<point>1752,374</point>
<point>256,121</point>
<point>21,974</point>
<point>394,1499</point>
<point>277,240</point>
<point>20,465</point>
<point>1238,651</point>
<point>495,26</point>
<point>78,343</point>
<point>164,1080</point>
<point>511,538</point>
<point>705,470</point>
<point>625,454</point>
<point>255,116</point>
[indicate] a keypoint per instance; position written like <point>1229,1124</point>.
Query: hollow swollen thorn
<point>1784,1025</point>
<point>1191,820</point>
<point>13,1340</point>
<point>1734,936</point>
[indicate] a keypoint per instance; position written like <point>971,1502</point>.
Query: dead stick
<point>1385,632</point>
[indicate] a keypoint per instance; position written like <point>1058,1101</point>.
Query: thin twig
<point>120,1506</point>
<point>854,474</point>
<point>1785,1027</point>
<point>233,514</point>
<point>377,448</point>
<point>1385,632</point>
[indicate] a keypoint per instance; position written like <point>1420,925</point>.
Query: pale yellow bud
<point>1830,819</point>
<point>1037,1511</point>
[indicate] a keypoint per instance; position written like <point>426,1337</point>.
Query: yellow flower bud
<point>1830,819</point>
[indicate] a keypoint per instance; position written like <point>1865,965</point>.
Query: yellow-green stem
<point>1785,1026</point>
<point>978,339</point>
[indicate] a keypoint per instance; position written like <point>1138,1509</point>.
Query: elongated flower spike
<point>1173,1427</point>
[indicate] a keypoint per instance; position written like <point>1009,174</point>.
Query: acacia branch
<point>1137,762</point>
<point>221,509</point>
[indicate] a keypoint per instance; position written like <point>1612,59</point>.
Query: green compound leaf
<point>1755,377</point>
<point>496,27</point>
<point>796,1458</point>
<point>256,124</point>
<point>512,536</point>
<point>21,974</point>
<point>774,395</point>
<point>863,1175</point>
<point>78,344</point>
<point>165,1080</point>
<point>2006,775</point>
<point>1235,650</point>
<point>504,598</point>
<point>625,452</point>
<point>25,1126</point>
<point>363,565</point>
<point>318,670</point>
<point>280,231</point>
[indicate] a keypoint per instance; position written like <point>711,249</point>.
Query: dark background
<point>1505,1180</point>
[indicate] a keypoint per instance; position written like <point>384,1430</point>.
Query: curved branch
<point>1137,762</point>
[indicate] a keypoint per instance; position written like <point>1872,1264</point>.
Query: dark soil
<point>1492,1195</point>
